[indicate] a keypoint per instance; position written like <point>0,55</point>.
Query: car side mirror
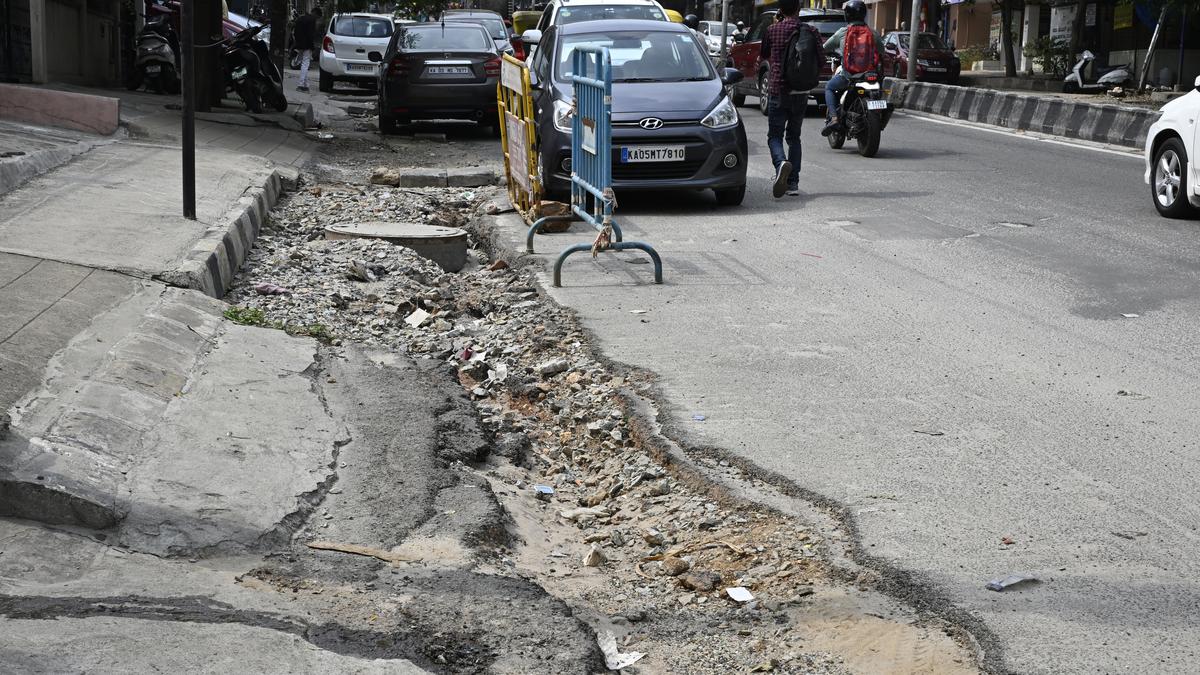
<point>732,76</point>
<point>1197,83</point>
<point>532,36</point>
<point>375,57</point>
<point>513,37</point>
<point>739,38</point>
<point>891,49</point>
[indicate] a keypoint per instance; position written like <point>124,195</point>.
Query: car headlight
<point>922,62</point>
<point>562,116</point>
<point>724,115</point>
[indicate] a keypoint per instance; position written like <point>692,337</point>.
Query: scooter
<point>250,72</point>
<point>1113,76</point>
<point>154,64</point>
<point>863,113</point>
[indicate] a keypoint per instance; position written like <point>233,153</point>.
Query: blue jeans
<point>785,115</point>
<point>835,86</point>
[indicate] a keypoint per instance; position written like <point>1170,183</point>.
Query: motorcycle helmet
<point>692,21</point>
<point>856,10</point>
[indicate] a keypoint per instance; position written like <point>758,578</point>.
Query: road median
<point>1122,126</point>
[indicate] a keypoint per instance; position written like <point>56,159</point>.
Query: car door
<point>746,55</point>
<point>355,36</point>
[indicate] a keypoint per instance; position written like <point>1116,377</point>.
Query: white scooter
<point>1113,76</point>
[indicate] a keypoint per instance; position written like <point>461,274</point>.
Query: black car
<point>493,22</point>
<point>674,126</point>
<point>435,71</point>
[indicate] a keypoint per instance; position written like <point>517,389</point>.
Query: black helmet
<point>692,21</point>
<point>856,10</point>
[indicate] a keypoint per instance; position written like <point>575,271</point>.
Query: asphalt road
<point>1020,298</point>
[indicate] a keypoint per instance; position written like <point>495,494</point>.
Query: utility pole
<point>912,40</point>
<point>188,49</point>
<point>279,33</point>
<point>724,33</point>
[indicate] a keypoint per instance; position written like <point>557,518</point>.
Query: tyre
<point>739,100</point>
<point>730,196</point>
<point>171,84</point>
<point>837,139</point>
<point>868,139</point>
<point>275,98</point>
<point>388,125</point>
<point>324,81</point>
<point>762,92</point>
<point>1168,184</point>
<point>135,80</point>
<point>1069,87</point>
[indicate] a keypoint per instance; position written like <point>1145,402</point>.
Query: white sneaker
<point>793,192</point>
<point>781,176</point>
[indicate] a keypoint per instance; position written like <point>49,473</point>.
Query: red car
<point>229,26</point>
<point>745,54</point>
<point>936,62</point>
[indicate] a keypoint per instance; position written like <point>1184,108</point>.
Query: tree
<point>1006,38</point>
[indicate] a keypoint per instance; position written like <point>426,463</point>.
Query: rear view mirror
<point>532,36</point>
<point>739,38</point>
<point>375,57</point>
<point>732,76</point>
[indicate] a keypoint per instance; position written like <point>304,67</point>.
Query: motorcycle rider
<point>693,22</point>
<point>856,15</point>
<point>305,36</point>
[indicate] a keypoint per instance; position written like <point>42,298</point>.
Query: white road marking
<point>1028,135</point>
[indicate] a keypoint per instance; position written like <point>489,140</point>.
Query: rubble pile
<point>554,408</point>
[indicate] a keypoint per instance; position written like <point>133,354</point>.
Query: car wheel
<point>730,196</point>
<point>762,92</point>
<point>739,100</point>
<point>1169,180</point>
<point>387,125</point>
<point>324,81</point>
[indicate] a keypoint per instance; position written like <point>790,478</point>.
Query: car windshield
<point>924,41</point>
<point>826,27</point>
<point>715,29</point>
<point>568,15</point>
<point>495,27</point>
<point>362,27</point>
<point>435,37</point>
<point>641,56</point>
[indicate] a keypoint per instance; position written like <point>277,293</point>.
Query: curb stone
<point>216,258</point>
<point>1097,122</point>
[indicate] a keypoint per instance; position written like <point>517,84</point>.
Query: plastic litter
<point>614,659</point>
<point>270,289</point>
<point>739,594</point>
<point>999,584</point>
<point>543,492</point>
<point>1131,316</point>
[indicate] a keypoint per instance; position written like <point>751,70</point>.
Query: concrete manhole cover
<point>446,246</point>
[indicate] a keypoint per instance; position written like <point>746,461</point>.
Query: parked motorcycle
<point>864,113</point>
<point>250,72</point>
<point>155,62</point>
<point>1112,76</point>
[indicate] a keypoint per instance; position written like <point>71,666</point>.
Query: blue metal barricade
<point>592,197</point>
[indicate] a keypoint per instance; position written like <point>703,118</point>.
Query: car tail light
<point>492,68</point>
<point>872,77</point>
<point>397,66</point>
<point>327,44</point>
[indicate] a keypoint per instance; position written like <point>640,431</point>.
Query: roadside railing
<point>592,196</point>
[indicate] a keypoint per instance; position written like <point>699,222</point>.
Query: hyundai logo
<point>651,123</point>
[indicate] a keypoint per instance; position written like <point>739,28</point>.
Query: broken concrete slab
<point>422,178</point>
<point>470,177</point>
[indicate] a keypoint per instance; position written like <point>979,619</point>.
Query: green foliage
<point>976,53</point>
<point>246,316</point>
<point>1054,56</point>
<point>313,330</point>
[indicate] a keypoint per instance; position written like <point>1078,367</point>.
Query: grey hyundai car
<point>674,127</point>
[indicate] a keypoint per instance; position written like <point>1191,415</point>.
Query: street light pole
<point>188,49</point>
<point>912,40</point>
<point>724,33</point>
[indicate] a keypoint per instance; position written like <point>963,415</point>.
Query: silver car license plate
<point>366,67</point>
<point>876,105</point>
<point>448,70</point>
<point>653,153</point>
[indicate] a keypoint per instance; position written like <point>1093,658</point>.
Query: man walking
<point>305,36</point>
<point>785,107</point>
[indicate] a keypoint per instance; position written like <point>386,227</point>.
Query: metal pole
<point>188,52</point>
<point>912,40</point>
<point>724,33</point>
<point>1182,31</point>
<point>10,66</point>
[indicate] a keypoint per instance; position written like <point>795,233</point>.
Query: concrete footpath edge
<point>216,258</point>
<point>1101,123</point>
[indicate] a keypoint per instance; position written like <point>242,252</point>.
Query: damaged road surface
<point>189,537</point>
<point>362,463</point>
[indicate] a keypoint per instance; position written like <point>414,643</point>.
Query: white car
<point>1171,145</point>
<point>713,34</point>
<point>348,41</point>
<point>559,12</point>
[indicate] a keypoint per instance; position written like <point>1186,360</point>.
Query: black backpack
<point>802,60</point>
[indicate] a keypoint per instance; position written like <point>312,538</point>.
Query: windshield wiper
<point>638,79</point>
